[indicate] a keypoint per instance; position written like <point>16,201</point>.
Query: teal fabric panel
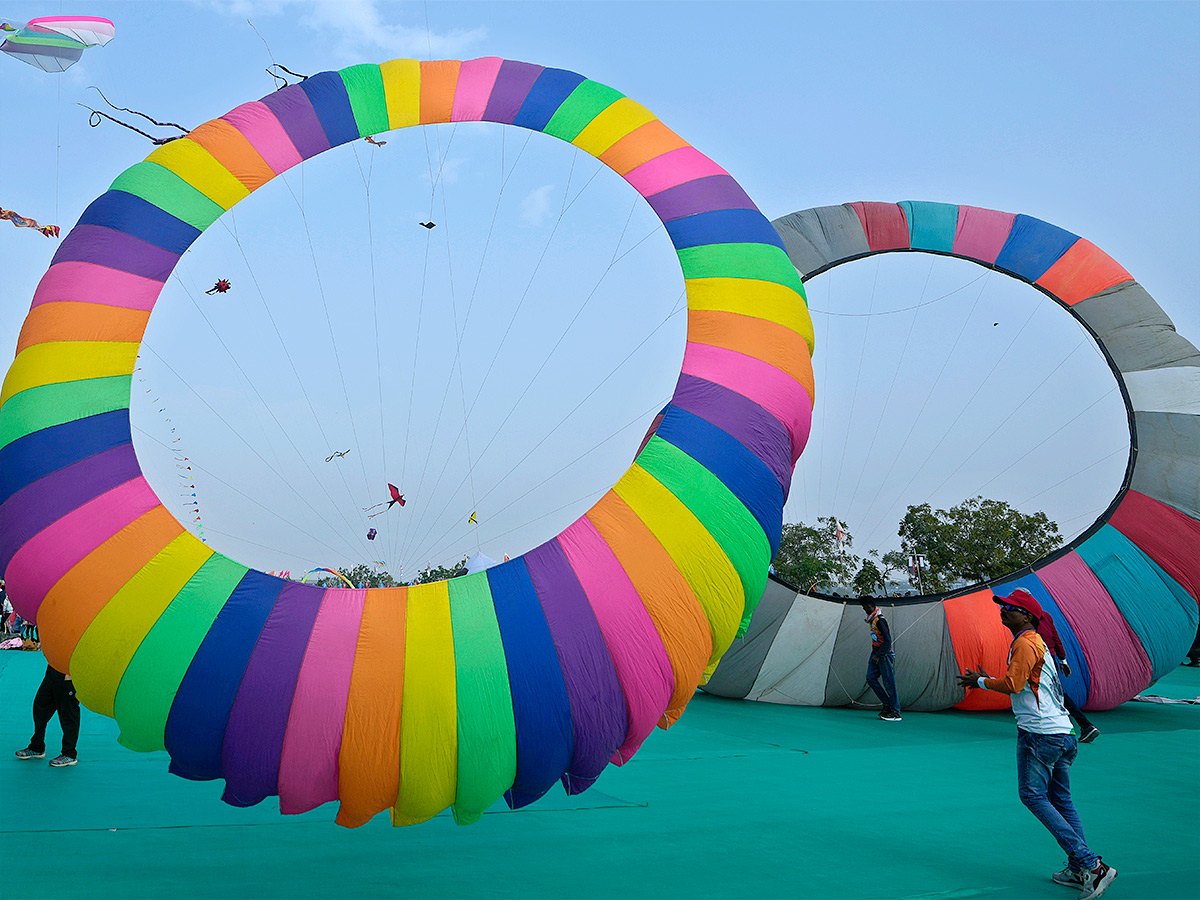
<point>931,226</point>
<point>1161,613</point>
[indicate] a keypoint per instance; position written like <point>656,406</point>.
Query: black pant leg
<point>1084,723</point>
<point>44,707</point>
<point>68,715</point>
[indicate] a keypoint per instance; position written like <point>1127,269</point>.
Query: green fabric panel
<point>153,676</point>
<point>586,102</point>
<point>53,404</point>
<point>719,511</point>
<point>487,734</point>
<point>763,262</point>
<point>931,226</point>
<point>169,192</point>
<point>364,84</point>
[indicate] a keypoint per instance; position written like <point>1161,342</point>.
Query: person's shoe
<point>889,715</point>
<point>1068,876</point>
<point>30,753</point>
<point>1090,735</point>
<point>63,760</point>
<point>1096,882</point>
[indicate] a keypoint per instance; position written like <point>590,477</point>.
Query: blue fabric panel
<point>541,709</point>
<point>1033,246</point>
<point>931,226</point>
<point>552,87</point>
<point>1161,613</point>
<point>1079,683</point>
<point>746,476</point>
<point>196,724</point>
<point>327,93</point>
<point>723,226</point>
<point>142,219</point>
<point>36,455</point>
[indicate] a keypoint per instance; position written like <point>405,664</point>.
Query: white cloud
<point>535,208</point>
<point>361,28</point>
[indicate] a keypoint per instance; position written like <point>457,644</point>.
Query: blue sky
<point>544,310</point>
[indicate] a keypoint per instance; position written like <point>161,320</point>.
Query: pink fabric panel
<point>884,224</point>
<point>774,390</point>
<point>1163,533</point>
<point>86,282</point>
<point>1117,663</point>
<point>476,78</point>
<point>672,168</point>
<point>308,765</point>
<point>260,127</point>
<point>981,233</point>
<point>55,550</point>
<point>637,652</point>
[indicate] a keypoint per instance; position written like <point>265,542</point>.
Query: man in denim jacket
<point>1045,746</point>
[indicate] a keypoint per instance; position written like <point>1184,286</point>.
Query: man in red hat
<point>1045,746</point>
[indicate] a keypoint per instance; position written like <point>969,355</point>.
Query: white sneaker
<point>1096,882</point>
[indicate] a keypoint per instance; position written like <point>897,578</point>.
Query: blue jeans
<point>1043,763</point>
<point>881,676</point>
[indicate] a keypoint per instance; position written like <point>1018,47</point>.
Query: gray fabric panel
<point>816,237</point>
<point>1135,330</point>
<point>735,673</point>
<point>925,662</point>
<point>1168,460</point>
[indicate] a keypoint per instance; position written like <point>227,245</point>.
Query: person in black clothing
<point>55,695</point>
<point>881,668</point>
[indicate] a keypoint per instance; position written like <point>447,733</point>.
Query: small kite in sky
<point>427,225</point>
<point>371,140</point>
<point>472,520</point>
<point>221,287</point>
<point>54,43</point>
<point>336,454</point>
<point>371,534</point>
<point>22,222</point>
<point>397,497</point>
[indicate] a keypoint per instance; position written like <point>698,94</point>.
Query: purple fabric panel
<point>599,717</point>
<point>1117,663</point>
<point>116,250</point>
<point>258,721</point>
<point>700,195</point>
<point>743,419</point>
<point>39,505</point>
<point>511,88</point>
<point>295,113</point>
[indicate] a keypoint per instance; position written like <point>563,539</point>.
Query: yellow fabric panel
<point>429,726</point>
<point>749,297</point>
<point>611,125</point>
<point>402,90</point>
<point>699,557</point>
<point>114,635</point>
<point>197,167</point>
<point>59,361</point>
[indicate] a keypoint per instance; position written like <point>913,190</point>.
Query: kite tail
<point>95,114</point>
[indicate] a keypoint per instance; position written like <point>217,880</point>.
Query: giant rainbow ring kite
<point>544,668</point>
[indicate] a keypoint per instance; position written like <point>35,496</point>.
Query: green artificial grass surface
<point>737,800</point>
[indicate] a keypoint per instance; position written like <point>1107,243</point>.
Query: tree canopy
<point>809,556</point>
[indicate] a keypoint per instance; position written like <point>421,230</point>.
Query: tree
<point>869,579</point>
<point>362,575</point>
<point>978,540</point>
<point>809,556</point>
<point>438,573</point>
<point>892,561</point>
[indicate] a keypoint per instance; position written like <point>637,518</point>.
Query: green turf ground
<point>737,800</point>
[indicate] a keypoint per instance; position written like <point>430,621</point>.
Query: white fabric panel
<point>797,665</point>
<point>1173,390</point>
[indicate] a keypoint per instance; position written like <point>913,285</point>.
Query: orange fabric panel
<point>642,144</point>
<point>71,321</point>
<point>439,81</point>
<point>980,642</point>
<point>369,759</point>
<point>78,596</point>
<point>229,147</point>
<point>1081,272</point>
<point>769,341</point>
<point>668,598</point>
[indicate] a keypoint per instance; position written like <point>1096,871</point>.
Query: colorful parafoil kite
<point>542,669</point>
<point>54,43</point>
<point>20,221</point>
<point>346,581</point>
<point>397,497</point>
<point>1123,594</point>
